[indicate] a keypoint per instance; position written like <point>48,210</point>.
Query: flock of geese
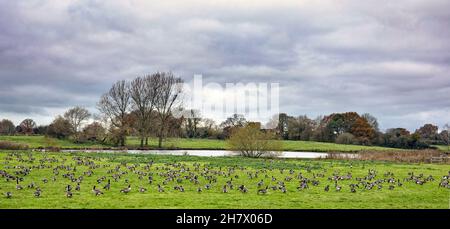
<point>161,177</point>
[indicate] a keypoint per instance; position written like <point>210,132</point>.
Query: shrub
<point>12,146</point>
<point>345,138</point>
<point>250,141</point>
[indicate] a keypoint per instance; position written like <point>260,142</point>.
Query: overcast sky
<point>388,58</point>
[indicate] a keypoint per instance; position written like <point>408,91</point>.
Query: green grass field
<point>42,141</point>
<point>184,143</point>
<point>443,148</point>
<point>222,169</point>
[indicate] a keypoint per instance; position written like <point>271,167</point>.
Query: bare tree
<point>447,129</point>
<point>192,121</point>
<point>76,116</point>
<point>115,105</point>
<point>371,120</point>
<point>7,127</point>
<point>27,126</point>
<point>143,92</point>
<point>168,94</point>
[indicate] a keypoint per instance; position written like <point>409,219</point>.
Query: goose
<point>108,185</point>
<point>37,193</point>
<point>78,188</point>
<point>68,188</point>
<point>142,189</point>
<point>263,191</point>
<point>96,191</point>
<point>243,189</point>
<point>31,185</point>
<point>69,194</point>
<point>18,186</point>
<point>8,195</point>
<point>207,186</point>
<point>327,188</point>
<point>181,189</point>
<point>224,189</point>
<point>283,189</point>
<point>126,190</point>
<point>199,189</point>
<point>391,187</point>
<point>260,183</point>
<point>338,188</point>
<point>160,189</point>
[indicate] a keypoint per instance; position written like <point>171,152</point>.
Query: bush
<point>250,141</point>
<point>345,138</point>
<point>60,128</point>
<point>12,146</point>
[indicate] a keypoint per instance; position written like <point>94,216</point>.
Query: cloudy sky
<point>388,58</point>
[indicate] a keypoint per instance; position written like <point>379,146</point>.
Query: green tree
<point>250,141</point>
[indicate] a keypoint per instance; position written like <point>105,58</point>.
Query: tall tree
<point>7,127</point>
<point>232,123</point>
<point>371,120</point>
<point>429,133</point>
<point>115,105</point>
<point>60,128</point>
<point>446,135</point>
<point>76,116</point>
<point>143,92</point>
<point>27,126</point>
<point>168,95</point>
<point>192,121</point>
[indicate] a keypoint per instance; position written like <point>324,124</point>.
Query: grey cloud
<point>390,60</point>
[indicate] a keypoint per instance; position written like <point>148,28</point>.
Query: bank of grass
<point>307,146</point>
<point>410,195</point>
<point>442,148</point>
<point>39,141</point>
<point>185,143</point>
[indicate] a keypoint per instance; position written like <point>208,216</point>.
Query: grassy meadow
<point>62,169</point>
<point>185,143</point>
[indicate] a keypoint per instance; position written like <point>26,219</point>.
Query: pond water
<point>206,153</point>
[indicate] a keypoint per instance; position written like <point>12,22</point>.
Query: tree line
<point>145,107</point>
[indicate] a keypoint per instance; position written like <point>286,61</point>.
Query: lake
<point>206,153</point>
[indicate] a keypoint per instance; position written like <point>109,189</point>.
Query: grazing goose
<point>327,188</point>
<point>260,183</point>
<point>208,186</point>
<point>18,186</point>
<point>8,195</point>
<point>69,194</point>
<point>263,191</point>
<point>37,193</point>
<point>142,189</point>
<point>352,188</point>
<point>97,192</point>
<point>338,188</point>
<point>243,189</point>
<point>160,189</point>
<point>126,190</point>
<point>31,185</point>
<point>199,189</point>
<point>108,185</point>
<point>224,189</point>
<point>78,188</point>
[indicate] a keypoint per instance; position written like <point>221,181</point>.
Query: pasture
<point>119,180</point>
<point>185,143</point>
